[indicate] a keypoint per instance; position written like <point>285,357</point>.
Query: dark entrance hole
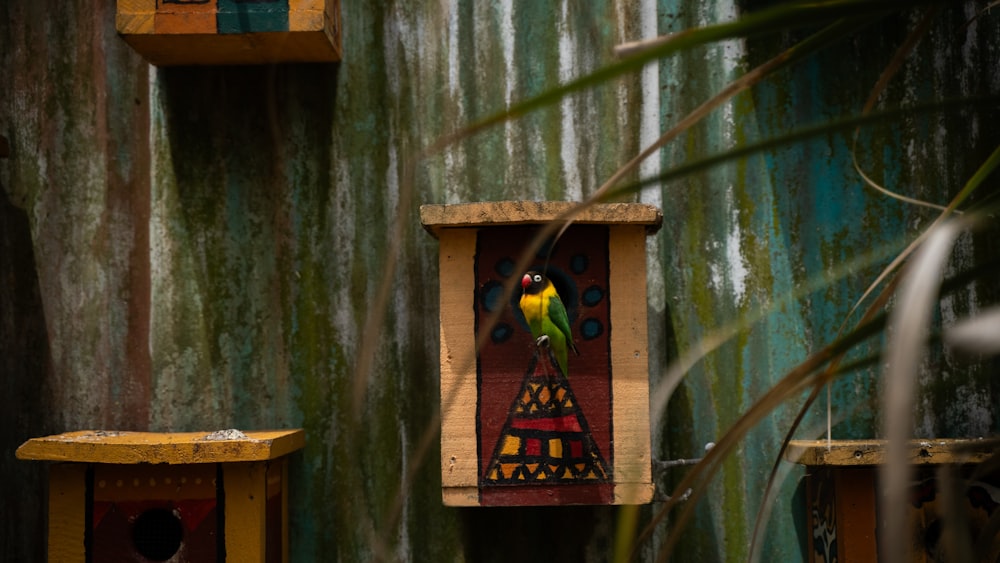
<point>157,534</point>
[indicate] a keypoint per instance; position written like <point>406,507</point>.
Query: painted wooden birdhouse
<point>844,509</point>
<point>517,427</point>
<point>220,32</point>
<point>188,497</point>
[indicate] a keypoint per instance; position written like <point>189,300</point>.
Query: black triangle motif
<point>545,439</point>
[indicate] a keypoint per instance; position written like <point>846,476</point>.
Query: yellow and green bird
<point>546,316</point>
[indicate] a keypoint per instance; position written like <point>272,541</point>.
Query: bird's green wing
<point>557,314</point>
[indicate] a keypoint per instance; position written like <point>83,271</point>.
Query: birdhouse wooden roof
<point>436,217</point>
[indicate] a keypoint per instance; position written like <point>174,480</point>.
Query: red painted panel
<point>534,425</point>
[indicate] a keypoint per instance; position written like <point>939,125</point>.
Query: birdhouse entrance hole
<point>157,534</point>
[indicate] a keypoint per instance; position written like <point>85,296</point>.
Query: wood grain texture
<point>67,512</point>
<point>154,447</point>
<point>135,23</point>
<point>857,515</point>
<point>127,7</point>
<point>629,365</point>
<point>246,511</point>
<point>436,217</point>
<point>459,460</point>
<point>314,15</point>
<point>873,452</point>
<point>250,48</point>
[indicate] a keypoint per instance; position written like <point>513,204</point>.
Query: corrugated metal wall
<point>197,248</point>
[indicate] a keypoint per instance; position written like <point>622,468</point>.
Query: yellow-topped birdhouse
<point>222,32</point>
<point>544,360</point>
<point>178,497</point>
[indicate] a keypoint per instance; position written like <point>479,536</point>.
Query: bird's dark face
<point>533,283</point>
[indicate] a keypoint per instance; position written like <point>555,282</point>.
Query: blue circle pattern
<point>591,328</point>
<point>492,292</point>
<point>501,333</point>
<point>593,295</point>
<point>505,267</point>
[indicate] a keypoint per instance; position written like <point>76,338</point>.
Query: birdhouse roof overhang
<point>436,217</point>
<point>224,446</point>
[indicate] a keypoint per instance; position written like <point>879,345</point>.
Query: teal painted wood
<point>252,17</point>
<point>746,235</point>
<point>207,243</point>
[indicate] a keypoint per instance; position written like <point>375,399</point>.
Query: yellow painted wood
<point>306,15</point>
<point>872,452</point>
<point>135,23</point>
<point>246,511</point>
<point>436,217</point>
<point>313,36</point>
<point>305,5</point>
<point>629,364</point>
<point>306,20</point>
<point>303,15</point>
<point>244,48</point>
<point>459,459</point>
<point>67,512</point>
<point>114,482</point>
<point>152,447</point>
<point>136,6</point>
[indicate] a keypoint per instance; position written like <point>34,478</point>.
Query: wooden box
<point>189,497</point>
<point>515,429</point>
<point>220,32</point>
<point>843,505</point>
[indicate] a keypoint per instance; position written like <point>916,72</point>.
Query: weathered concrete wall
<point>197,248</point>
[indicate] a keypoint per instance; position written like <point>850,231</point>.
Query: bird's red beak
<point>525,281</point>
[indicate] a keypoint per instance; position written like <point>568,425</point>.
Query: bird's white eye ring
<point>538,277</point>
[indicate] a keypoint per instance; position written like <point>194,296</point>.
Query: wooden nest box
<point>953,499</point>
<point>517,428</point>
<point>225,32</point>
<point>187,497</point>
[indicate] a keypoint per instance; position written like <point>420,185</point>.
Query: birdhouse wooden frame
<point>515,429</point>
<point>221,32</point>
<point>140,496</point>
<point>843,505</point>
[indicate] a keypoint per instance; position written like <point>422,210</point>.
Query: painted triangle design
<point>546,439</point>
